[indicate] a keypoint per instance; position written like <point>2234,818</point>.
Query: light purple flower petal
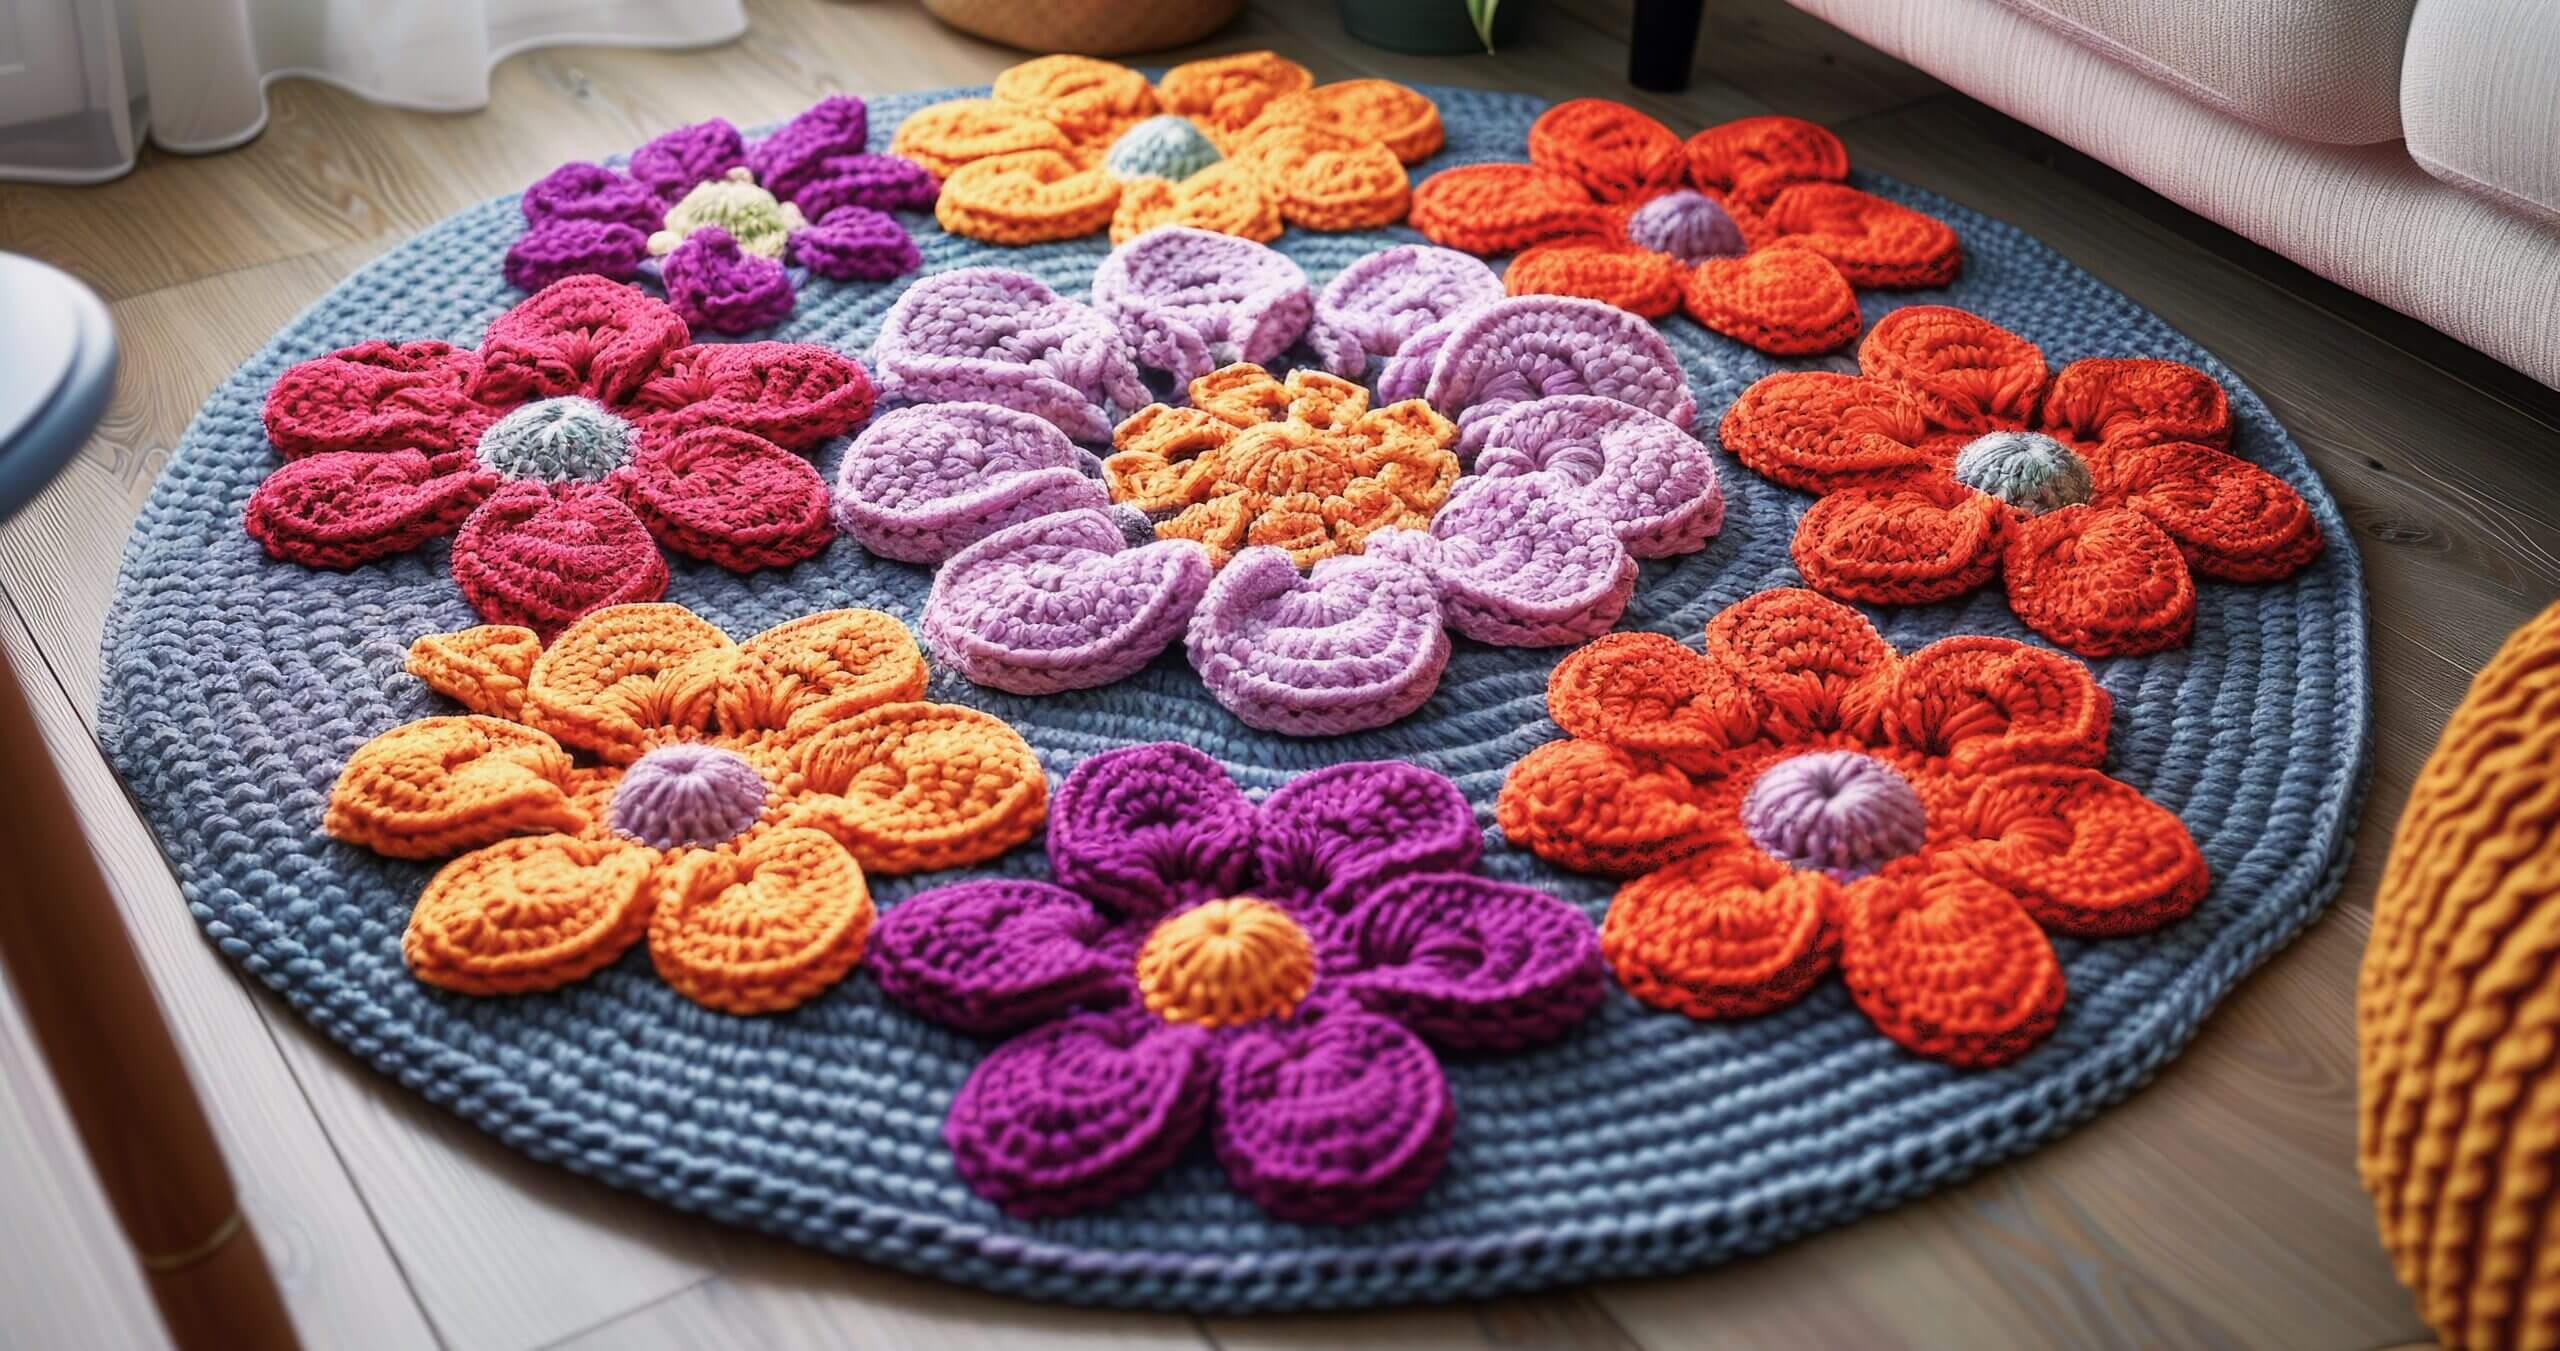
<point>1377,305</point>
<point>1408,373</point>
<point>1146,829</point>
<point>1518,562</point>
<point>1002,337</point>
<point>569,246</point>
<point>1531,347</point>
<point>924,482</point>
<point>716,286</point>
<point>1329,838</point>
<point>1653,482</point>
<point>1061,603</point>
<point>1354,645</point>
<point>1081,1112</point>
<point>1188,301</point>
<point>1335,1116</point>
<point>674,164</point>
<point>1471,963</point>
<point>855,243</point>
<point>997,955</point>
<point>794,156</point>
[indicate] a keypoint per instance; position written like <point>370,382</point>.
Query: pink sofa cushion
<point>2480,95</point>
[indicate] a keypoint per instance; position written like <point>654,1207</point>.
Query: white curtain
<point>84,82</point>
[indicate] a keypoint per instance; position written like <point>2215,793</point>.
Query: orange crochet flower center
<point>1303,465</point>
<point>1226,962</point>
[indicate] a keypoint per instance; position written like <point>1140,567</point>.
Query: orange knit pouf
<point>2458,1014</point>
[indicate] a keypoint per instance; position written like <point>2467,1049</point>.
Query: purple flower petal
<point>1329,838</point>
<point>924,482</point>
<point>1357,644</point>
<point>1002,337</point>
<point>569,246</point>
<point>1518,562</point>
<point>1081,1112</point>
<point>994,956</point>
<point>1654,483</point>
<point>1530,347</point>
<point>880,182</point>
<point>1061,603</point>
<point>1408,373</point>
<point>792,157</point>
<point>1189,301</point>
<point>1377,305</point>
<point>674,163</point>
<point>1333,1117</point>
<point>1147,829</point>
<point>714,285</point>
<point>1469,962</point>
<point>855,243</point>
<point>582,191</point>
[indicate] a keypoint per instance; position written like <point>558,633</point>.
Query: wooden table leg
<point>1664,43</point>
<point>84,992</point>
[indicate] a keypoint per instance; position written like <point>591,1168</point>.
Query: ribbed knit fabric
<point>237,686</point>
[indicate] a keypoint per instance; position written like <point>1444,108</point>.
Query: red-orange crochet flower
<point>1747,225</point>
<point>2102,490</point>
<point>1801,799</point>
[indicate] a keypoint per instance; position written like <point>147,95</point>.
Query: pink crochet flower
<point>584,425</point>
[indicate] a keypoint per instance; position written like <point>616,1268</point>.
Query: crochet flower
<point>584,426</point>
<point>1303,465</point>
<point>2102,490</point>
<point>716,219</point>
<point>1747,225</point>
<point>1800,800</point>
<point>1243,145</point>
<point>1279,972</point>
<point>645,776</point>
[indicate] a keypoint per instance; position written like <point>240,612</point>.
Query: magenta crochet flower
<point>1278,973</point>
<point>716,219</point>
<point>585,433</point>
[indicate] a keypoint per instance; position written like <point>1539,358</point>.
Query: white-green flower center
<point>557,441</point>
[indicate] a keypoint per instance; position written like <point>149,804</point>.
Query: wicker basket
<point>1091,27</point>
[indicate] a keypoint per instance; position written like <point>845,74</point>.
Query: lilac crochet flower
<point>1377,305</point>
<point>996,336</point>
<point>1062,602</point>
<point>923,482</point>
<point>720,217</point>
<point>1279,973</point>
<point>1535,347</point>
<point>1188,301</point>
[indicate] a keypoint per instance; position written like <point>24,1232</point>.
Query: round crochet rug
<point>238,685</point>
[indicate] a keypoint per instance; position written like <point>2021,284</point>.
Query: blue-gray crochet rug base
<point>237,685</point>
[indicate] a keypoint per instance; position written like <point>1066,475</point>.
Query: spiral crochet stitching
<point>1610,1153</point>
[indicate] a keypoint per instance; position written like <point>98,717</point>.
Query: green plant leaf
<point>1480,13</point>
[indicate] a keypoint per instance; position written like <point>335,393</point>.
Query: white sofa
<point>2409,149</point>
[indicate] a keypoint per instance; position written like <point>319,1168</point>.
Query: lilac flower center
<point>557,441</point>
<point>688,795</point>
<point>1837,812</point>
<point>1221,963</point>
<point>2028,470</point>
<point>1687,225</point>
<point>759,221</point>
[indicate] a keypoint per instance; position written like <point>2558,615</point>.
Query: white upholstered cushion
<point>2480,95</point>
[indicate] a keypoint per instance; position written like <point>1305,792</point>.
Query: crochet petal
<point>529,914</point>
<point>761,929</point>
<point>2122,402</point>
<point>1651,481</point>
<point>913,787</point>
<point>1356,643</point>
<point>719,287</point>
<point>1028,197</point>
<point>1910,540</point>
<point>1649,694</point>
<point>1533,347</point>
<point>2101,582</point>
<point>1724,935</point>
<point>1091,101</point>
<point>1061,602</point>
<point>1382,300</point>
<point>801,675</point>
<point>1967,373</point>
<point>1224,94</point>
<point>1810,660</point>
<point>1822,431</point>
<point>2084,854</point>
<point>1147,829</point>
<point>1597,808</point>
<point>616,682</point>
<point>593,193</point>
<point>554,249</point>
<point>2232,520</point>
<point>995,956</point>
<point>1520,562</point>
<point>483,668</point>
<point>855,243</point>
<point>1228,197</point>
<point>674,163</point>
<point>1084,1111</point>
<point>1787,300</point>
<point>1188,301</point>
<point>1987,703</point>
<point>580,335</point>
<point>1616,153</point>
<point>1948,965</point>
<point>1502,207</point>
<point>379,396</point>
<point>943,136</point>
<point>1471,963</point>
<point>1614,271</point>
<point>541,555</point>
<point>1333,1117</point>
<point>797,395</point>
<point>924,482</point>
<point>729,498</point>
<point>437,786</point>
<point>811,145</point>
<point>872,182</point>
<point>1872,241</point>
<point>1747,157</point>
<point>1328,180</point>
<point>1399,118</point>
<point>341,508</point>
<point>1327,840</point>
<point>1004,337</point>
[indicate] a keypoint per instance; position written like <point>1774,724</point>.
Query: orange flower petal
<point>914,787</point>
<point>434,787</point>
<point>1217,524</point>
<point>2136,401</point>
<point>1823,431</point>
<point>529,914</point>
<point>619,680</point>
<point>1228,197</point>
<point>1784,300</point>
<point>1403,121</point>
<point>1907,541</point>
<point>1726,935</point>
<point>1597,808</point>
<point>2086,855</point>
<point>1987,703</point>
<point>1091,101</point>
<point>1754,152</point>
<point>1646,692</point>
<point>1326,180</point>
<point>762,928</point>
<point>1617,153</point>
<point>1627,275</point>
<point>2232,520</point>
<point>1969,374</point>
<point>1806,657</point>
<point>1243,395</point>
<point>1166,454</point>
<point>1949,966</point>
<point>944,136</point>
<point>816,669</point>
<point>1028,197</point>
<point>1872,241</point>
<point>483,668</point>
<point>1224,94</point>
<point>1500,208</point>
<point>2103,582</point>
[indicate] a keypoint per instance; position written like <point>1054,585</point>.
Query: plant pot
<point>1088,27</point>
<point>1429,27</point>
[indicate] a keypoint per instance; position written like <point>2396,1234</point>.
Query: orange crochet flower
<point>1305,465</point>
<point>1240,144</point>
<point>2100,490</point>
<point>1747,224</point>
<point>1800,799</point>
<point>646,776</point>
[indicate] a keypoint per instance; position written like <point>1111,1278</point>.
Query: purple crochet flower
<point>1535,347</point>
<point>1188,301</point>
<point>1062,602</point>
<point>1277,972</point>
<point>995,336</point>
<point>926,481</point>
<point>722,217</point>
<point>1376,306</point>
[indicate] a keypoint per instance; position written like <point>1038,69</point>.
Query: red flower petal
<point>1807,658</point>
<point>379,396</point>
<point>1649,693</point>
<point>797,395</point>
<point>1784,300</point>
<point>580,335</point>
<point>1726,935</point>
<point>1908,541</point>
<point>1822,431</point>
<point>1757,152</point>
<point>2232,520</point>
<point>1969,374</point>
<point>1597,808</point>
<point>1872,241</point>
<point>729,498</point>
<point>1986,703</point>
<point>541,555</point>
<point>1499,208</point>
<point>2084,854</point>
<point>2103,582</point>
<point>1623,274</point>
<point>1948,965</point>
<point>2134,401</point>
<point>1617,153</point>
<point>344,507</point>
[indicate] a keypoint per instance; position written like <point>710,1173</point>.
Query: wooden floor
<point>2219,1207</point>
